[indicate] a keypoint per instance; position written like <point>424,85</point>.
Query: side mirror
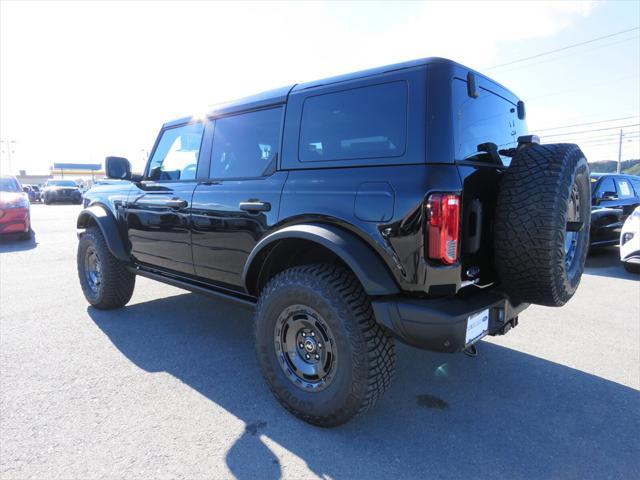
<point>118,168</point>
<point>25,189</point>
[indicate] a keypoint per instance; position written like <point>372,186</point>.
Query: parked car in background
<point>31,193</point>
<point>36,190</point>
<point>15,215</point>
<point>613,198</point>
<point>630,242</point>
<point>61,191</point>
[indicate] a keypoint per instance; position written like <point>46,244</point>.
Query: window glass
<point>246,145</point>
<point>624,187</point>
<point>367,122</point>
<point>176,156</point>
<point>9,184</point>
<point>606,186</point>
<point>488,118</point>
<point>636,185</point>
<point>61,183</point>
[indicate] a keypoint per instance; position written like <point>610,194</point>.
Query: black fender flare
<point>109,228</point>
<point>367,266</point>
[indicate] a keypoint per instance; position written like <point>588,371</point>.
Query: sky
<point>83,80</point>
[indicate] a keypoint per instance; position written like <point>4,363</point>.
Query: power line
<point>586,123</point>
<point>602,143</point>
<point>583,87</point>
<point>571,54</point>
<point>563,48</point>
<point>602,138</point>
<point>587,131</point>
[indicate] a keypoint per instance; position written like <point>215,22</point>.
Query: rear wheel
<point>322,353</point>
<point>543,216</point>
<point>105,280</point>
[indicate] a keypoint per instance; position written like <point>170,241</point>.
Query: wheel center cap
<point>310,345</point>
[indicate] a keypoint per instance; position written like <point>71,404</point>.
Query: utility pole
<point>619,169</point>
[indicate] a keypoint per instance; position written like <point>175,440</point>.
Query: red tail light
<point>443,229</point>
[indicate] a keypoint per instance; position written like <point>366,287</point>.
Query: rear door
<point>627,198</point>
<point>607,220</point>
<point>240,199</point>
<point>158,210</point>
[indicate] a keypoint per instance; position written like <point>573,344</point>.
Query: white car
<point>630,242</point>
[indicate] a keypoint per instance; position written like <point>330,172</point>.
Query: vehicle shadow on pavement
<point>11,243</point>
<point>503,414</point>
<point>606,262</point>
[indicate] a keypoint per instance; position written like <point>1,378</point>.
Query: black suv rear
<point>404,201</point>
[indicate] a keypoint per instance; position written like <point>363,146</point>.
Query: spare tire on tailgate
<point>542,223</point>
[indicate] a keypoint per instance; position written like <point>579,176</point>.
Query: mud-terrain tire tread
<point>117,282</point>
<point>374,361</point>
<point>530,224</point>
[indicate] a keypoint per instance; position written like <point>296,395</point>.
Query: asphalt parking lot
<point>169,387</point>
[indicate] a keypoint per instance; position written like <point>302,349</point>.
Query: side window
<point>624,187</point>
<point>606,187</point>
<point>366,122</point>
<point>246,145</point>
<point>176,156</point>
<point>636,185</point>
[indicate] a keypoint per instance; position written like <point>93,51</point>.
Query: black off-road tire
<point>117,283</point>
<point>365,352</point>
<point>531,223</point>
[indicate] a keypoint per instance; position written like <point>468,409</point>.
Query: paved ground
<point>169,388</point>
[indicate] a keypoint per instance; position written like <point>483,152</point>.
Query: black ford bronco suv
<point>404,202</point>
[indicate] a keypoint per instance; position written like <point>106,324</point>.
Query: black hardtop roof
<point>279,95</point>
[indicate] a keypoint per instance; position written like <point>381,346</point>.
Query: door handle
<point>255,206</point>
<point>176,203</point>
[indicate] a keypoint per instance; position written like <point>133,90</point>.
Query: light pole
<point>10,146</point>
<point>619,169</point>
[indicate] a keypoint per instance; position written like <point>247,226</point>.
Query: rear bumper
<point>440,324</point>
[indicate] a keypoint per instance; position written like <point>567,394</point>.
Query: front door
<point>240,200</point>
<point>158,210</point>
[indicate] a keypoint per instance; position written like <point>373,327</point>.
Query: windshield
<point>61,183</point>
<point>8,184</point>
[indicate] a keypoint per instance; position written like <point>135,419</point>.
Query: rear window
<point>488,118</point>
<point>61,183</point>
<point>366,122</point>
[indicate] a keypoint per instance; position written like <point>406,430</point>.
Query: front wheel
<point>323,355</point>
<point>105,280</point>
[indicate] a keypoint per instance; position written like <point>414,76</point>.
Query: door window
<point>176,155</point>
<point>606,187</point>
<point>624,187</point>
<point>246,145</point>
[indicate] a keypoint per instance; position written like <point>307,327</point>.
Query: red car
<point>14,208</point>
